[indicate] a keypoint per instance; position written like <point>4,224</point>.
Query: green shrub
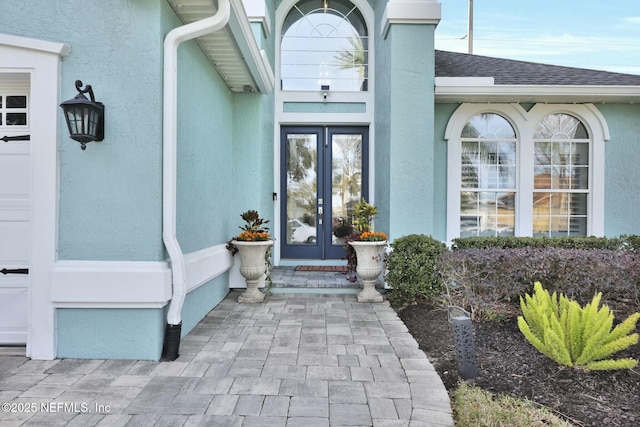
<point>576,336</point>
<point>631,242</point>
<point>412,269</point>
<point>566,242</point>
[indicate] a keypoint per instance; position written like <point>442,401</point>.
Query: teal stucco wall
<point>110,194</point>
<point>110,201</point>
<point>443,113</point>
<point>110,333</point>
<point>622,174</point>
<point>205,146</point>
<point>381,125</point>
<point>404,164</point>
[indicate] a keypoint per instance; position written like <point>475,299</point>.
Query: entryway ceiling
<point>233,51</point>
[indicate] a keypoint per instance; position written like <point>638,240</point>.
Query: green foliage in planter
<point>412,269</point>
<point>576,336</point>
<point>363,215</point>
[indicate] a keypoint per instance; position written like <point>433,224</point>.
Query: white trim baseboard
<point>131,284</point>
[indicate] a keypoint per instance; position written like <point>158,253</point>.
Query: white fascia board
<point>464,81</point>
<point>35,44</point>
<point>546,93</point>
<point>257,12</point>
<point>257,62</point>
<point>410,12</point>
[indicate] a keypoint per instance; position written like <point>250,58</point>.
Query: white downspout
<point>169,143</point>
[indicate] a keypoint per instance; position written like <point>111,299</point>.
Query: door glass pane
<point>346,180</point>
<point>302,186</point>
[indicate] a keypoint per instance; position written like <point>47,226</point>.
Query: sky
<point>595,34</point>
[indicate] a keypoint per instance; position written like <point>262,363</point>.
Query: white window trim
<point>366,97</point>
<point>287,118</point>
<point>524,123</point>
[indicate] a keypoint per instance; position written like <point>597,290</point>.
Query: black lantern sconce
<point>85,119</point>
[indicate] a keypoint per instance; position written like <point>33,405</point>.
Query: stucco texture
<point>622,174</point>
<point>110,194</point>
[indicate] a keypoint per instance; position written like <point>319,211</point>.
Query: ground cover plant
<point>489,281</point>
<point>475,406</point>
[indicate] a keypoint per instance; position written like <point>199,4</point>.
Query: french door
<point>323,174</point>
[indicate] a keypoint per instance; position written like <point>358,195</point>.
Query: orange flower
<point>373,236</point>
<point>253,236</point>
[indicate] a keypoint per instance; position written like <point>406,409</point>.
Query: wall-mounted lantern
<point>85,118</point>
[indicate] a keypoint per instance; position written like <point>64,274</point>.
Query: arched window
<point>561,182</point>
<point>525,173</point>
<point>488,177</point>
<point>324,47</point>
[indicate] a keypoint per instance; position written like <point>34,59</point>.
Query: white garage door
<point>14,211</point>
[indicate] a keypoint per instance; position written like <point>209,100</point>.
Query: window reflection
<point>346,167</point>
<point>488,178</point>
<point>561,182</point>
<point>301,157</point>
<point>324,45</point>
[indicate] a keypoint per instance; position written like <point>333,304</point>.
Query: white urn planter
<point>252,267</point>
<point>369,267</point>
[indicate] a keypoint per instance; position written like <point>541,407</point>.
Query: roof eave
<point>255,59</point>
<point>456,93</point>
<point>233,51</point>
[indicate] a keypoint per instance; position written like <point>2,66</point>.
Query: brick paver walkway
<point>294,360</point>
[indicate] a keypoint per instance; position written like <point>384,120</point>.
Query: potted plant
<point>365,251</point>
<point>253,247</point>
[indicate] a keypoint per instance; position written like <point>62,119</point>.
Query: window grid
<point>322,48</point>
<point>488,177</point>
<point>561,182</point>
<point>13,110</point>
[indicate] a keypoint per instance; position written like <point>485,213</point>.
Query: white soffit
<point>233,51</point>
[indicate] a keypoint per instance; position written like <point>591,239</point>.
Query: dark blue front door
<point>323,174</point>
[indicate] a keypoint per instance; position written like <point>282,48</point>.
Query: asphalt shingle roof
<point>512,72</point>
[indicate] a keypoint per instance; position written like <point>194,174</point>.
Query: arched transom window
<point>324,47</point>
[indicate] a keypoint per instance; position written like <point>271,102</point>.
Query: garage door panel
<point>14,176</point>
<point>14,243</point>
<point>13,301</point>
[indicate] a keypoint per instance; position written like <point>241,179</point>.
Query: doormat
<point>333,268</point>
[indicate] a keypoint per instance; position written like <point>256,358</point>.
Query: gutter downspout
<point>172,41</point>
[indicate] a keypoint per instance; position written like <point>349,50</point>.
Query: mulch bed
<point>508,364</point>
